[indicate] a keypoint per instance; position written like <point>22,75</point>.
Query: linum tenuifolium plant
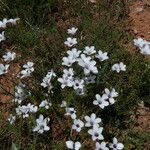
<point>87,62</point>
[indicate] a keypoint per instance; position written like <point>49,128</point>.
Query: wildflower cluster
<point>87,62</point>
<point>80,68</point>
<point>9,56</point>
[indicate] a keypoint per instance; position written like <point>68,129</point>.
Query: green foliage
<point>39,37</point>
<point>34,12</point>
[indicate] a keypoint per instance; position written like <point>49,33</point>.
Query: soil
<point>140,26</point>
<point>140,16</point>
<point>142,119</point>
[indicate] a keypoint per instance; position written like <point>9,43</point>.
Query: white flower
<point>90,79</point>
<point>70,41</point>
<point>41,124</point>
<point>45,104</point>
<point>101,146</point>
<point>78,84</point>
<point>28,69</point>
<point>32,108</point>
<point>92,120</point>
<point>78,124</point>
<point>25,110</point>
<point>68,61</point>
<point>3,69</point>
<point>9,56</point>
<point>63,104</point>
<point>119,67</point>
<point>140,42</point>
<point>87,64</point>
<point>111,94</point>
<point>80,91</point>
<point>72,31</point>
<point>51,74</point>
<point>71,112</point>
<point>101,101</point>
<point>13,21</point>
<point>74,53</point>
<point>3,23</point>
<point>102,56</point>
<point>20,93</point>
<point>47,79</point>
<point>68,73</point>
<point>46,83</point>
<point>146,49</point>
<point>143,45</point>
<point>89,50</point>
<point>73,145</point>
<point>28,65</point>
<point>115,145</point>
<point>96,133</point>
<point>11,119</point>
<point>65,82</point>
<point>2,37</point>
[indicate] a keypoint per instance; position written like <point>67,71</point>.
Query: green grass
<point>40,36</point>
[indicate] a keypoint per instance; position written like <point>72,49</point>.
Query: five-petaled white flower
<point>78,124</point>
<point>78,84</point>
<point>90,79</point>
<point>92,120</point>
<point>80,91</point>
<point>3,68</point>
<point>89,50</point>
<point>68,73</point>
<point>68,61</point>
<point>70,41</point>
<point>45,103</point>
<point>143,45</point>
<point>9,56</point>
<point>65,81</point>
<point>111,94</point>
<point>119,67</point>
<point>101,146</point>
<point>115,145</point>
<point>101,101</point>
<point>87,64</point>
<point>41,124</point>
<point>74,53</point>
<point>73,145</point>
<point>72,30</point>
<point>28,69</point>
<point>101,56</point>
<point>71,112</point>
<point>96,133</point>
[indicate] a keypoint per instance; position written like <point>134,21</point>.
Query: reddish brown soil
<point>7,83</point>
<point>143,119</point>
<point>140,25</point>
<point>140,16</point>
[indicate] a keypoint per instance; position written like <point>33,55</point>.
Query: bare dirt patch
<point>143,119</point>
<point>140,16</point>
